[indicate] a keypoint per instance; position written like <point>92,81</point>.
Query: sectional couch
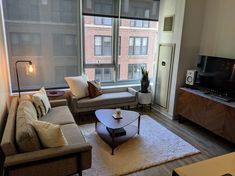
<point>59,161</point>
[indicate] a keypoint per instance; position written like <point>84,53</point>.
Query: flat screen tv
<point>217,75</point>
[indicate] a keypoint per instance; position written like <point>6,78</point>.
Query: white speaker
<point>190,77</point>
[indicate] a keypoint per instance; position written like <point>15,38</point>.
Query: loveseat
<point>58,161</point>
<point>110,98</point>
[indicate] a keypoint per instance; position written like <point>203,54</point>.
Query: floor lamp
<point>30,69</point>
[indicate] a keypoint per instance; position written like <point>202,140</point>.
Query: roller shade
<point>131,9</point>
<point>140,9</point>
<point>106,8</point>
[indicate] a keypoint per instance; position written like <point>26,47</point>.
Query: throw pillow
<point>94,89</point>
<point>26,137</point>
<point>41,102</point>
<point>49,134</point>
<point>78,86</point>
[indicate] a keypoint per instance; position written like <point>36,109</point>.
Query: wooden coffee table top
<point>105,117</point>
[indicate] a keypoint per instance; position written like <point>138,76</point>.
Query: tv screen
<point>217,74</point>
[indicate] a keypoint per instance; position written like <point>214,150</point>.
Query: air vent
<point>168,24</point>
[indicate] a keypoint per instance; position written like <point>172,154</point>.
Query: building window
<point>63,11</point>
<point>134,71</point>
<point>103,21</point>
<point>139,23</point>
<point>64,45</point>
<point>103,74</point>
<point>27,10</point>
<point>25,44</point>
<point>138,45</point>
<point>103,45</point>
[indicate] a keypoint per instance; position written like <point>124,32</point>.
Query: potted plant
<point>144,96</point>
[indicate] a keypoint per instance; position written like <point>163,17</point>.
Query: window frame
<point>134,45</point>
<point>102,46</point>
<point>102,21</point>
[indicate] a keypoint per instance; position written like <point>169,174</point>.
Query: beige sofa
<point>111,98</point>
<point>66,160</point>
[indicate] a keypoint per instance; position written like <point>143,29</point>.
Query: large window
<point>138,46</point>
<point>135,46</point>
<point>134,71</point>
<point>44,32</point>
<point>139,23</point>
<point>103,45</point>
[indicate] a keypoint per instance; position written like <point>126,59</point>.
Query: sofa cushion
<point>94,89</point>
<point>26,137</point>
<point>49,134</point>
<point>78,85</point>
<point>59,115</point>
<point>41,102</point>
<point>106,99</point>
<point>72,134</point>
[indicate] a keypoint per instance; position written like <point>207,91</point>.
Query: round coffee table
<point>116,131</point>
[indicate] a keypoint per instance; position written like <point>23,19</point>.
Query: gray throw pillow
<point>26,137</point>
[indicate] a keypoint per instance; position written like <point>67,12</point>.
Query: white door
<point>165,60</point>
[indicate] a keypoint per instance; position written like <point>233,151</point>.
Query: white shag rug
<point>155,145</point>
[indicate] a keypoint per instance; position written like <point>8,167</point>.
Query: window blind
<point>140,9</point>
<point>130,9</point>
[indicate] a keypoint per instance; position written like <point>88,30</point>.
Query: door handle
<point>163,63</point>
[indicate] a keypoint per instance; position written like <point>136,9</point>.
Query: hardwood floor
<point>209,144</point>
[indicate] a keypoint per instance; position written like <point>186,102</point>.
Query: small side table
<point>57,98</point>
<point>55,94</point>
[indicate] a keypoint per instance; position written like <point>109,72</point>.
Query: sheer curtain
<point>45,32</point>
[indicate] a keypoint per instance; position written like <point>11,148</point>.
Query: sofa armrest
<point>40,155</point>
<point>132,91</point>
<point>72,102</point>
<point>59,102</point>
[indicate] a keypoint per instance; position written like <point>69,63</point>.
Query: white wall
<point>168,8</point>
<point>189,18</point>
<point>218,36</point>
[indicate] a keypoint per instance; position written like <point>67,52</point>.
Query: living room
<point>121,87</point>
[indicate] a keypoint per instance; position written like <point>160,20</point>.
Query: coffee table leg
<point>139,124</point>
<point>112,141</point>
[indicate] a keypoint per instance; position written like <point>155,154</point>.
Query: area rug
<point>155,145</point>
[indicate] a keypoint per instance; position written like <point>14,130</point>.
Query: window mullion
<point>115,47</point>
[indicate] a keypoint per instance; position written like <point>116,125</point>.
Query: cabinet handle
<point>163,63</point>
